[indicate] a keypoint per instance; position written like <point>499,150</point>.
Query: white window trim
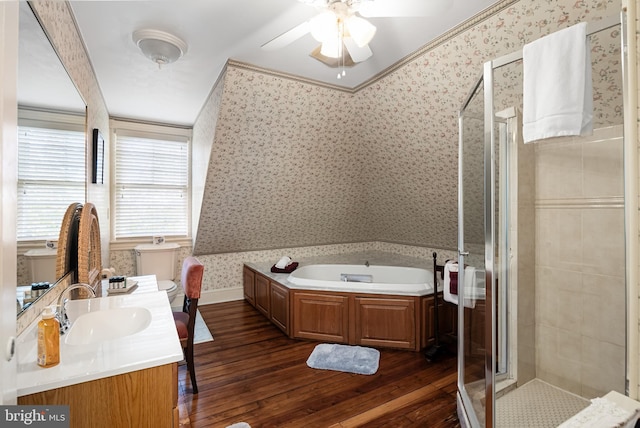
<point>42,118</point>
<point>155,131</point>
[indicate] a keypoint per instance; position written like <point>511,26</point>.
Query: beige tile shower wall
<point>526,289</point>
<point>580,290</point>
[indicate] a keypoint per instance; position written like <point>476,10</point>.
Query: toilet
<point>42,264</point>
<point>159,260</point>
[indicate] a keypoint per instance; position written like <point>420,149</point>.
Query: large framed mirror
<point>52,147</point>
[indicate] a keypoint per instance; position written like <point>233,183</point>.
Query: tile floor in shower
<point>537,404</point>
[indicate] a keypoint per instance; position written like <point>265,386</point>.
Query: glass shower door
<point>474,331</point>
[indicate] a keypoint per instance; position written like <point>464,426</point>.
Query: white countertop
<point>156,345</point>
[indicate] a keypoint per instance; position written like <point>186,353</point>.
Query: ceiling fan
<point>343,32</point>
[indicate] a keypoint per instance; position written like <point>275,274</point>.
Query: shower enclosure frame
<point>466,411</point>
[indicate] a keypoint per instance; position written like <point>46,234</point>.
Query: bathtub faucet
<point>366,263</point>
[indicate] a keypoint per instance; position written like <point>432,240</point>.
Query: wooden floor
<point>253,373</point>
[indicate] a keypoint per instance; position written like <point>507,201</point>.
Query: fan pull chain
<point>341,49</point>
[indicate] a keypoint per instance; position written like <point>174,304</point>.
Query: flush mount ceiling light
<point>159,46</point>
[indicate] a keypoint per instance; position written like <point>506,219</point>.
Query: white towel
<point>469,281</point>
<point>446,292</point>
<point>283,262</point>
<point>601,413</point>
<point>557,91</point>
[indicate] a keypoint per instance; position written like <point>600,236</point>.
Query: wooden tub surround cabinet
<point>354,318</point>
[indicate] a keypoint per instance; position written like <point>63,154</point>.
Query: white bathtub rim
<point>423,288</point>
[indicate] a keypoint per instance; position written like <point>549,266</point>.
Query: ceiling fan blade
<point>403,8</point>
<point>357,53</point>
<point>287,37</point>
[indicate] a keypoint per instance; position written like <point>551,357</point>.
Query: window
<point>151,195</point>
<point>51,172</point>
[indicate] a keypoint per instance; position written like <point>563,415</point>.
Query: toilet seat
<point>170,287</point>
<point>167,285</point>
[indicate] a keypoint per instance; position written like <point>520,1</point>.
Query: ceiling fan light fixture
<point>331,48</point>
<point>324,26</point>
<point>159,46</point>
<point>360,30</point>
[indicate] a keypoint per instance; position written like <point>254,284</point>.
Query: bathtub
<point>406,281</point>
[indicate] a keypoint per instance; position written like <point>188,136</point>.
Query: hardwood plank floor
<point>253,373</point>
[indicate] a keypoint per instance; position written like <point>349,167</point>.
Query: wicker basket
<point>69,221</point>
<point>89,248</point>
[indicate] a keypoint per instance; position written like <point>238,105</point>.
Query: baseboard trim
<point>221,295</point>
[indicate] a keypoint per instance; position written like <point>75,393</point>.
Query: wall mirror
<point>45,90</point>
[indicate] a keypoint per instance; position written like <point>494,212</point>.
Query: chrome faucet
<point>366,263</point>
<point>62,312</point>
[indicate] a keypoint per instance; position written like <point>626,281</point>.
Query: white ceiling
<point>215,31</point>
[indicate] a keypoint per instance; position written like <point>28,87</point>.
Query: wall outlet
<point>158,240</point>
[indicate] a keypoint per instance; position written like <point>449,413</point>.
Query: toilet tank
<point>157,259</point>
<point>42,264</point>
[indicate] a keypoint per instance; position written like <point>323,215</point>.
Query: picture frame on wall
<point>97,176</point>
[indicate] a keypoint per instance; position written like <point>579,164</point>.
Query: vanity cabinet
<point>143,398</point>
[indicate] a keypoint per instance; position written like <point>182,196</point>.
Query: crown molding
<point>456,31</point>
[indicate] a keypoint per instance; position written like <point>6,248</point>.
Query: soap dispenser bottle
<point>48,339</point>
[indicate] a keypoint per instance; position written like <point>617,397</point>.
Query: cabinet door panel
<point>248,279</point>
<point>262,295</point>
<point>321,317</point>
<point>385,322</point>
<point>280,306</point>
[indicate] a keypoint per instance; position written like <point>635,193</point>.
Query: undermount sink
<point>107,324</point>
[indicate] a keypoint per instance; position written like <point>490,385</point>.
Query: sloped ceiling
<point>295,164</point>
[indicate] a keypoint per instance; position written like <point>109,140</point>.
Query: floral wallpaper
<point>284,169</point>
<point>296,164</point>
<point>202,139</point>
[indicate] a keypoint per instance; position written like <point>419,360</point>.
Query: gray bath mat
<point>344,358</point>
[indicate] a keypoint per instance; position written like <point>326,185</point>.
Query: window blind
<point>51,175</point>
<point>151,187</point>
